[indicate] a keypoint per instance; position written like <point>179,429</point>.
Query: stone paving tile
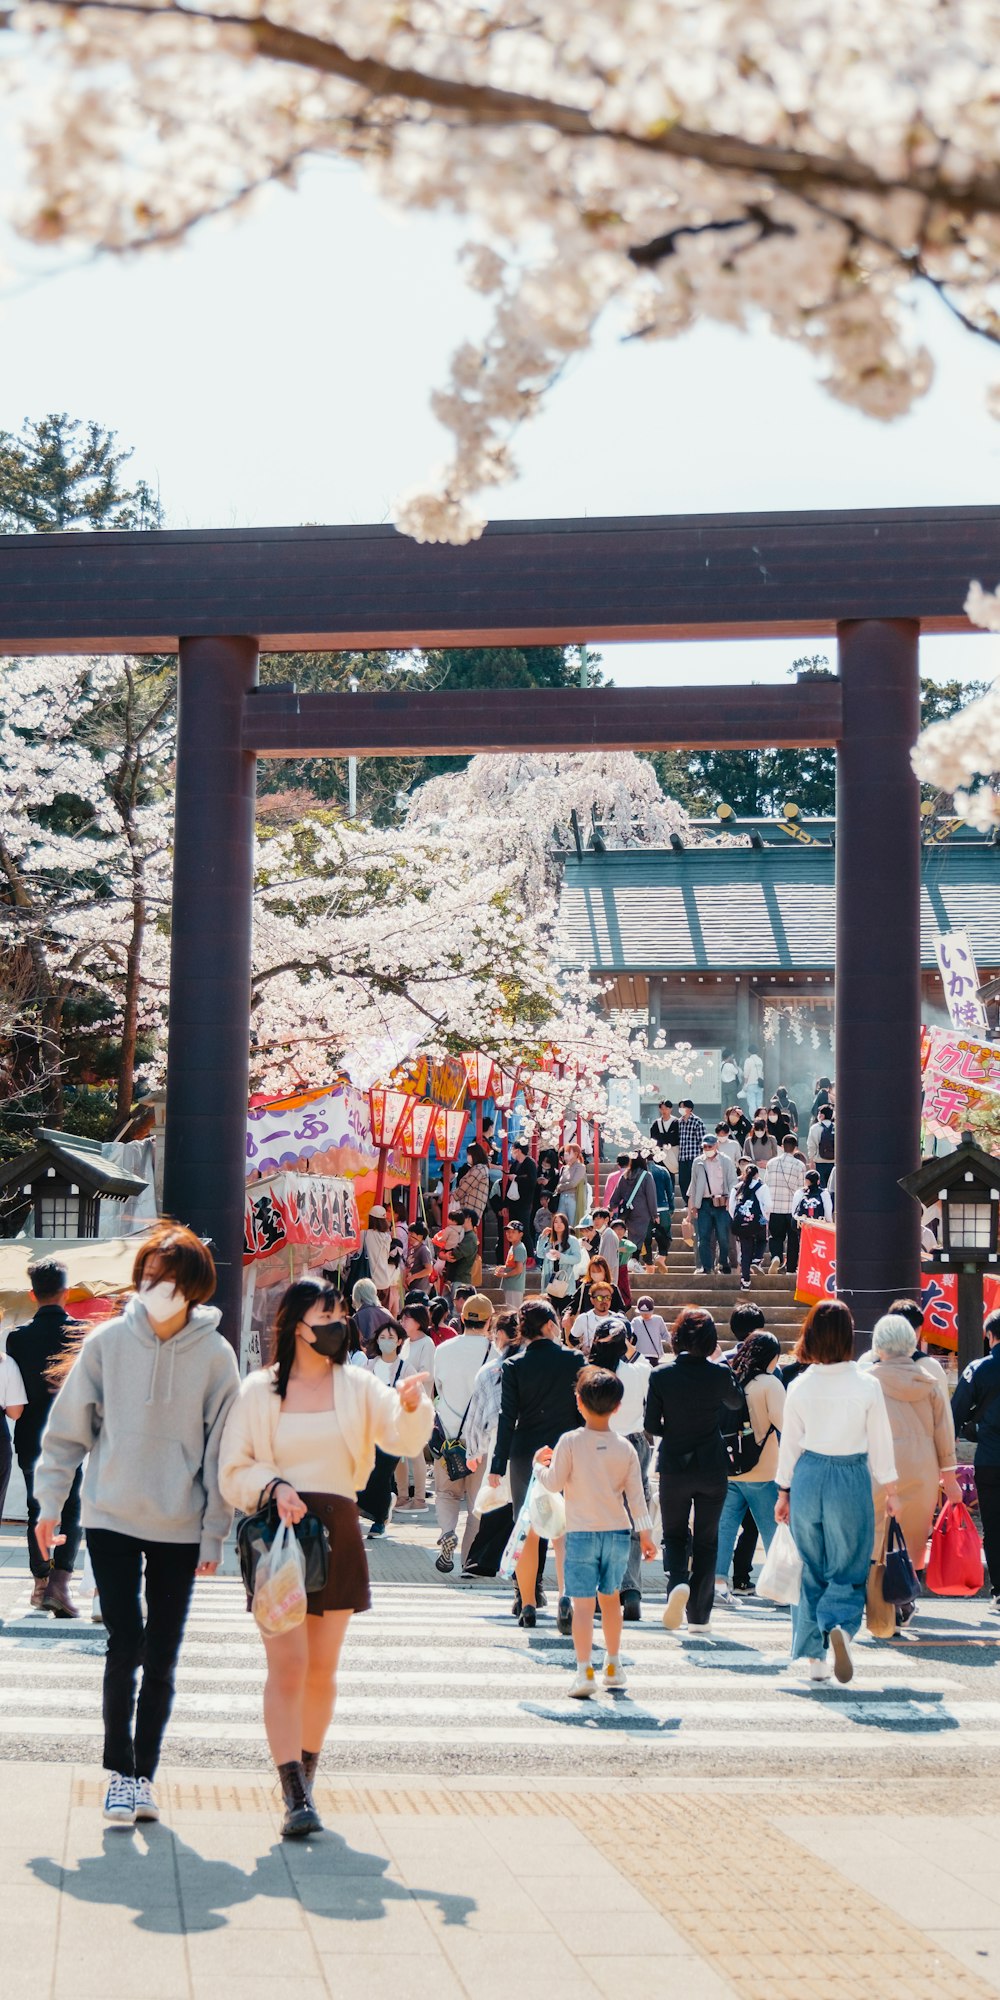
<point>358,1976</point>
<point>979,1950</point>
<point>650,1978</point>
<point>235,1954</point>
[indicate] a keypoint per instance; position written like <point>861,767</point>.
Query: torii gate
<point>874,578</point>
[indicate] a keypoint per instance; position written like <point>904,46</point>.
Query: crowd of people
<point>520,1423</point>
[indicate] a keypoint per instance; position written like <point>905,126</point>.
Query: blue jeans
<point>632,1580</point>
<point>713,1222</point>
<point>595,1562</point>
<point>759,1495</point>
<point>833,1526</point>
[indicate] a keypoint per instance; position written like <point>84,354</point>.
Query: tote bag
<point>955,1568</point>
<point>899,1578</point>
<point>880,1616</point>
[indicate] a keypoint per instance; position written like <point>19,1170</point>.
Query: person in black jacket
<point>537,1404</point>
<point>977,1400</point>
<point>36,1347</point>
<point>684,1407</point>
<point>518,1192</point>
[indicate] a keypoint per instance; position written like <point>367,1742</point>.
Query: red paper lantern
<point>479,1074</point>
<point>506,1085</point>
<point>420,1129</point>
<point>390,1110</point>
<point>449,1131</point>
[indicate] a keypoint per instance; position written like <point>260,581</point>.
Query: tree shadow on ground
<point>173,1889</point>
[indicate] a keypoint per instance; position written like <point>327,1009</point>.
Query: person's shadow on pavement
<point>131,1875</point>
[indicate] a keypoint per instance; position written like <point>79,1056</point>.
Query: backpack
<point>812,1209</point>
<point>825,1142</point>
<point>748,1213</point>
<point>742,1449</point>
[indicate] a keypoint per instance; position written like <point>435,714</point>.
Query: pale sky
<point>279,370</point>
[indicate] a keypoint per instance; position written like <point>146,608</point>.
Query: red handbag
<point>955,1568</point>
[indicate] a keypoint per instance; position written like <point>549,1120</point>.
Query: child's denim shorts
<point>596,1562</point>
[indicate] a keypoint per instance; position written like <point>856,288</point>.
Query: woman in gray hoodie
<point>147,1395</point>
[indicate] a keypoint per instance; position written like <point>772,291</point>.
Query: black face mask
<point>330,1339</point>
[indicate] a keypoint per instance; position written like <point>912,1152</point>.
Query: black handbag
<point>899,1581</point>
<point>451,1451</point>
<point>257,1531</point>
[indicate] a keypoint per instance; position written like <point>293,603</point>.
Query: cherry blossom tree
<point>86,748</point>
<point>957,753</point>
<point>85,767</point>
<point>440,934</point>
<point>812,166</point>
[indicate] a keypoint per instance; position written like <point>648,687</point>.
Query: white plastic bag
<point>489,1498</point>
<point>547,1512</point>
<point>279,1589</point>
<point>781,1577</point>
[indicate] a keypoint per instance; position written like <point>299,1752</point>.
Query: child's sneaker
<point>613,1678</point>
<point>585,1683</point>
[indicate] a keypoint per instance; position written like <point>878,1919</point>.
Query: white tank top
<point>309,1450</point>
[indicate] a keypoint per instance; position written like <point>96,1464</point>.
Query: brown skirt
<point>347,1587</point>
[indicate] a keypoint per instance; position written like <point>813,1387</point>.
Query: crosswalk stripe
<point>435,1665</point>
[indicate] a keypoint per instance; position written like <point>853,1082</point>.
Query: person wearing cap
<point>650,1329</point>
<point>713,1178</point>
<point>376,1243</point>
<point>456,1364</point>
<point>620,1230</point>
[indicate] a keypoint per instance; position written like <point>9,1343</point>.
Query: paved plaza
<point>721,1833</point>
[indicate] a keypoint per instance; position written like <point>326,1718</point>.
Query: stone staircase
<point>681,1285</point>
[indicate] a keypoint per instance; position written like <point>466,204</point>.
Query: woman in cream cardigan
<point>309,1427</point>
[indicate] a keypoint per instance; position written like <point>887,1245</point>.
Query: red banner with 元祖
<point>816,1278</point>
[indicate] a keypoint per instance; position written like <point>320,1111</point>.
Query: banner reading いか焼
<point>318,1211</point>
<point>816,1278</point>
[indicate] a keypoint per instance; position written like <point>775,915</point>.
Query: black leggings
<point>170,1566</point>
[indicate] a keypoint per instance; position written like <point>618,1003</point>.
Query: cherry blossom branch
<point>487,104</point>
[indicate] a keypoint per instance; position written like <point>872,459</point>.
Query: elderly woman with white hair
<point>923,1436</point>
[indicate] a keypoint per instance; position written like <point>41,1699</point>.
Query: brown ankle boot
<point>57,1598</point>
<point>301,1817</point>
<point>38,1589</point>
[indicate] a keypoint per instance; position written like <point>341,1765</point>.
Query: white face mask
<point>162,1301</point>
<point>387,1344</point>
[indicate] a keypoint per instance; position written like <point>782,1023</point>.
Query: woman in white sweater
<point>835,1441</point>
<point>309,1427</point>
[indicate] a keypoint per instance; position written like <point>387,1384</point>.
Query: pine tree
<point>60,473</point>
